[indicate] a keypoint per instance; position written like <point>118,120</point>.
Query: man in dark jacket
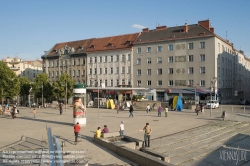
<point>131,110</point>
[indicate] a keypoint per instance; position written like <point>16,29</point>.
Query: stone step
<point>196,145</point>
<point>179,137</point>
<point>202,138</point>
<point>216,158</point>
<point>209,147</point>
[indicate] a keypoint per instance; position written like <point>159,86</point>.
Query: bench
<point>113,134</point>
<point>138,142</point>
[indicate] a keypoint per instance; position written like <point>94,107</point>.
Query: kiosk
<point>79,104</point>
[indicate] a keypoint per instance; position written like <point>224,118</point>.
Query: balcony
<point>15,68</point>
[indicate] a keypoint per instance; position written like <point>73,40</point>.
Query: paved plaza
<point>26,126</point>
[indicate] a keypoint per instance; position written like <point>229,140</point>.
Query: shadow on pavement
<point>47,121</point>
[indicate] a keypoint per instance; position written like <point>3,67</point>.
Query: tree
<point>60,86</point>
<point>41,86</point>
<point>24,86</point>
<point>9,83</point>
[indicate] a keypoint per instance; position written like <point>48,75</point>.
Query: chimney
<point>161,28</point>
<point>145,30</point>
<point>205,24</point>
<point>186,28</point>
<point>212,29</point>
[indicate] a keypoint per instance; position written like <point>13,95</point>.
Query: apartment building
<point>187,57</point>
<point>24,68</point>
<point>69,57</point>
<point>110,61</point>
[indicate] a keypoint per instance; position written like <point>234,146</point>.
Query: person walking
<point>159,110</point>
<point>148,108</point>
<point>122,128</point>
<point>34,113</point>
<point>131,110</point>
<point>60,107</point>
<point>197,109</point>
<point>77,128</point>
<point>147,133</point>
<point>224,115</point>
<point>166,111</point>
<point>118,107</point>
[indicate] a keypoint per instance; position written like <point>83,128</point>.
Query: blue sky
<point>30,27</point>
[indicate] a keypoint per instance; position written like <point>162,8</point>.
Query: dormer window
<point>55,51</point>
<point>110,44</point>
<point>92,46</point>
<point>128,42</point>
<point>80,48</point>
<point>66,52</point>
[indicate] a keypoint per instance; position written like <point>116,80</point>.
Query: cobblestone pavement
<point>25,125</point>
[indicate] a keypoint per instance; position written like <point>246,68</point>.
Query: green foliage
<point>41,85</point>
<point>60,86</point>
<point>24,85</point>
<point>9,83</point>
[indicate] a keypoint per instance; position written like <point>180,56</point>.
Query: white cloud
<point>138,26</point>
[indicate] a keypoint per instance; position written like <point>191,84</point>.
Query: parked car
<point>213,104</point>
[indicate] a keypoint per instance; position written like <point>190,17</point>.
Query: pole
<point>42,96</point>
<point>211,103</point>
<point>66,99</point>
<point>98,99</point>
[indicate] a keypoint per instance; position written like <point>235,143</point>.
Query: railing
<point>56,158</point>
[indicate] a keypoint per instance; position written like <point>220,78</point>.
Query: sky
<point>30,27</point>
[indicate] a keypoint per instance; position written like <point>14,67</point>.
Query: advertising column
<point>79,104</point>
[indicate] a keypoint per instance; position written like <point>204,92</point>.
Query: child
<point>34,112</point>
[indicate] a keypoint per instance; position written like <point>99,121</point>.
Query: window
<point>95,71</point>
<point>202,83</point>
<point>74,62</point>
<point>111,58</point>
<point>34,75</point>
<point>219,47</point>
<point>129,57</point>
<point>139,83</point>
<point>149,61</point>
<point>117,70</point>
<point>139,72</point>
<point>52,64</point>
<point>79,73</point>
<point>149,83</point>
<point>106,82</point>
<point>83,62</point>
<point>159,48</point>
<point>56,63</point>
<point>202,44</point>
<point>90,60</point>
<point>100,83</point>
<point>100,72</point>
<point>129,82</point>
<point>111,70</point>
<point>73,73</point>
<point>202,57</point>
<point>106,59</point>
<point>159,60</point>
<point>148,49</point>
<point>123,58</point>
<point>139,50</point>
<point>170,83</point>
<point>171,59</point>
<point>159,83</point>
<point>111,82</point>
<point>90,71</point>
<point>170,71</point>
<point>170,47</point>
<point>52,74</point>
<point>129,70</point>
<point>138,62</point>
<point>159,71</point>
<point>100,59</point>
<point>190,70</point>
<point>117,82</point>
<point>202,70</point>
<point>95,60</point>
<point>83,73</point>
<point>190,58</point>
<point>149,72</point>
<point>123,81</point>
<point>49,74</point>
<point>190,46</point>
<point>106,71</point>
<point>123,70</point>
<point>117,58</point>
<point>191,82</point>
<point>79,62</point>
